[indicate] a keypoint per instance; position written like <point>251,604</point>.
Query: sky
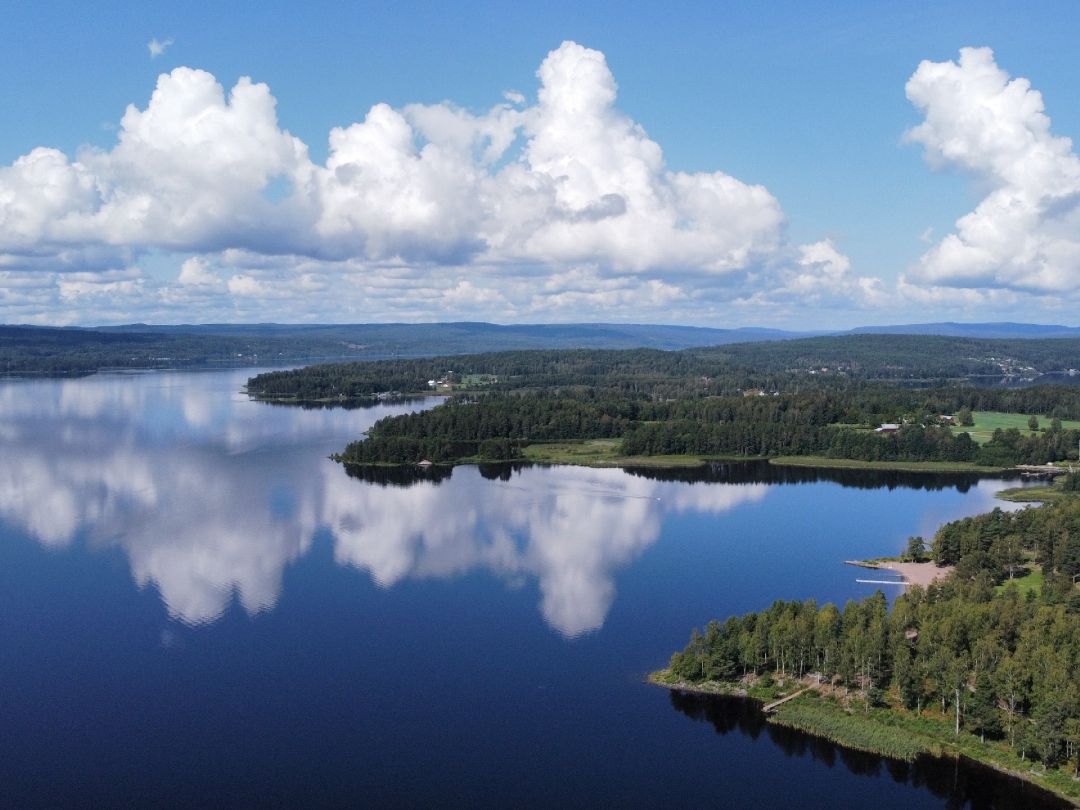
<point>779,164</point>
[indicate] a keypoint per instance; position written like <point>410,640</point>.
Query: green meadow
<point>986,422</point>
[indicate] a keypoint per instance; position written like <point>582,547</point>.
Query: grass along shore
<point>1031,494</point>
<point>605,453</point>
<point>891,731</point>
<point>898,466</point>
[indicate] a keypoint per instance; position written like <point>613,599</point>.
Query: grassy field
<point>604,453</point>
<point>901,466</point>
<point>1031,582</point>
<point>595,451</point>
<point>477,380</point>
<point>986,422</point>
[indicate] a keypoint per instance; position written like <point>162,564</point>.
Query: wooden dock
<point>881,581</point>
<point>772,706</point>
<point>1041,470</point>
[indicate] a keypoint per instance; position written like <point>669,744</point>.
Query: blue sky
<point>630,216</point>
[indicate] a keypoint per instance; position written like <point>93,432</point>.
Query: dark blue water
<point>197,607</point>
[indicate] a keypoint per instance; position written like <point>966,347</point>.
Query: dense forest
<point>818,396</point>
<point>787,365</point>
<point>835,424</point>
<point>971,649</point>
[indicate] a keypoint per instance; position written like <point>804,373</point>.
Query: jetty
<point>1040,470</point>
<point>882,581</point>
<point>772,706</point>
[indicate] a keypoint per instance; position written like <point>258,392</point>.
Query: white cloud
<point>157,47</point>
<point>248,285</point>
<point>429,209</point>
<point>1022,238</point>
<point>195,272</point>
<point>823,275</point>
<point>594,188</point>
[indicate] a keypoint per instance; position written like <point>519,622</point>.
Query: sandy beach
<point>918,573</point>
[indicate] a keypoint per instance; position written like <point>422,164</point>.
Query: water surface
<point>198,607</point>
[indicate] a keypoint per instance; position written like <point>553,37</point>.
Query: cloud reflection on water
<point>210,495</point>
<point>571,529</point>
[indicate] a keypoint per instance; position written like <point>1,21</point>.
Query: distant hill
<point>414,337</point>
<point>461,337</point>
<point>74,350</point>
<point>974,330</point>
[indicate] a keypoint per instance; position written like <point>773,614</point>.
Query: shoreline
<point>824,462</point>
<point>600,453</point>
<point>920,744</point>
<point>911,573</point>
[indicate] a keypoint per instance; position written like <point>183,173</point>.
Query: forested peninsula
<point>882,399</point>
<point>985,663</point>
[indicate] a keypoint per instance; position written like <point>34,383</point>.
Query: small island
<point>983,662</point>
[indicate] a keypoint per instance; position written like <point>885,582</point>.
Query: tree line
<point>790,366</point>
<point>828,423</point>
<point>997,664</point>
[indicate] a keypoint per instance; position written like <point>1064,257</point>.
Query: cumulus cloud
<point>823,275</point>
<point>1022,238</point>
<point>188,172</point>
<point>500,199</point>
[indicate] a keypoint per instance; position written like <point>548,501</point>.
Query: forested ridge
<point>50,350</point>
<point>717,370</point>
<point>972,650</point>
<point>39,350</point>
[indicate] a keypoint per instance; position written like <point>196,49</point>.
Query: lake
<point>198,607</point>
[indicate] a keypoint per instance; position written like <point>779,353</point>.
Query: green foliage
<point>795,424</point>
<point>1000,664</point>
<point>915,550</point>
<point>817,397</point>
<point>827,720</point>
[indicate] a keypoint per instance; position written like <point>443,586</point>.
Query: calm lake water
<point>197,607</point>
